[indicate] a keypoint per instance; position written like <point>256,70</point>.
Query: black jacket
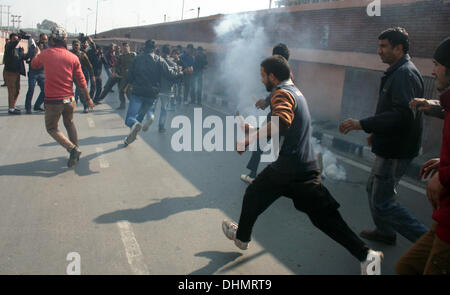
<point>397,130</point>
<point>145,74</point>
<point>14,58</point>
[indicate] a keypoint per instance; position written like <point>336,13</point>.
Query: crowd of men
<point>114,60</point>
<point>172,75</point>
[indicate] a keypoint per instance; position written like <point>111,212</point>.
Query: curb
<point>359,151</point>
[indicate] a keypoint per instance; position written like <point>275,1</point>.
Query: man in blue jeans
<point>36,76</point>
<point>145,74</point>
<point>396,137</point>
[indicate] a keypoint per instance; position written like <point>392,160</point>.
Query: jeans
<point>164,100</point>
<point>34,77</point>
<point>309,196</point>
<point>138,108</point>
<point>387,213</point>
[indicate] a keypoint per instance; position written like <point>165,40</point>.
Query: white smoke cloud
<point>245,46</point>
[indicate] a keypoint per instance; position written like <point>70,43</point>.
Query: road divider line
<point>132,250</point>
<point>91,122</point>
<point>103,162</point>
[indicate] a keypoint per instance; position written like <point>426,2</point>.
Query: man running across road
<point>295,174</point>
<point>61,68</point>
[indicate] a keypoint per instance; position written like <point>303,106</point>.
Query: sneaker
<point>148,123</point>
<point>39,109</point>
<point>28,112</point>
<point>372,264</point>
<point>74,157</point>
<point>15,112</point>
<point>374,235</point>
<point>85,111</point>
<point>247,179</point>
<point>229,229</point>
<point>134,131</point>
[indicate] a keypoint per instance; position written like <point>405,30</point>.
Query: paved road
<point>146,209</point>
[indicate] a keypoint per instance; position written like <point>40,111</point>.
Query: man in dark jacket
<point>144,75</point>
<point>35,76</point>
<point>14,67</point>
<point>200,63</point>
<point>395,136</point>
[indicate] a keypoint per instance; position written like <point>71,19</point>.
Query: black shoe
<point>374,235</point>
<point>162,130</point>
<point>39,109</point>
<point>3,85</point>
<point>29,112</point>
<point>85,111</point>
<point>74,157</point>
<point>15,112</point>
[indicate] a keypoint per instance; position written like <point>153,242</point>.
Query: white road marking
<point>103,162</point>
<point>133,251</point>
<point>91,122</point>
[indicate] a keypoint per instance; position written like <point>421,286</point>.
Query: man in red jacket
<point>431,253</point>
<point>61,68</point>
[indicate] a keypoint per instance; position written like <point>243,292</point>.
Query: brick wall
<point>348,29</point>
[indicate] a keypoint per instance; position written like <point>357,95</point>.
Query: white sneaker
<point>372,264</point>
<point>247,179</point>
<point>148,123</point>
<point>229,229</point>
<point>134,131</point>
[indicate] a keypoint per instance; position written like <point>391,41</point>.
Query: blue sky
<point>76,16</point>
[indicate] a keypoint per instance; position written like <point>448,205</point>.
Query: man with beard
<point>295,174</point>
<point>396,137</point>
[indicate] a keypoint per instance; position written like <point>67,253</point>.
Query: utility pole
<point>270,4</point>
<point>14,20</point>
<point>96,19</point>
<point>19,21</point>
<point>182,11</point>
<point>198,14</point>
<point>2,13</point>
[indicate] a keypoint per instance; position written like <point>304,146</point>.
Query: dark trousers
<point>197,87</point>
<point>108,87</point>
<point>309,196</point>
<point>34,77</point>
<point>188,87</point>
<point>97,90</point>
<point>254,163</point>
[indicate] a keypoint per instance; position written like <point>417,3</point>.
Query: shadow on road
<point>54,166</point>
<point>156,211</point>
<point>93,140</point>
<point>217,260</point>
